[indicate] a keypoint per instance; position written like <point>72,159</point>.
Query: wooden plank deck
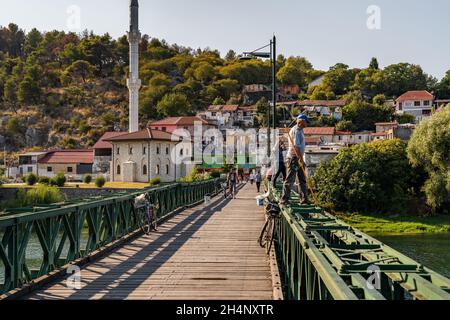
<point>204,253</point>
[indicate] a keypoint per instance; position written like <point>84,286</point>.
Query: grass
<point>392,225</point>
<point>108,185</point>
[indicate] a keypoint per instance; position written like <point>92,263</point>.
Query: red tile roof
<point>179,121</point>
<point>319,131</point>
<point>68,157</point>
<point>317,103</point>
<point>344,133</point>
<point>102,144</point>
<point>147,134</point>
<point>225,108</point>
<point>415,95</point>
<point>312,141</point>
<point>386,123</point>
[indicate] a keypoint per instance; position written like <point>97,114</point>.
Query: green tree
<point>443,88</point>
<point>374,64</point>
<point>219,101</point>
<point>364,115</point>
<point>368,178</point>
<point>10,92</point>
<point>429,148</point>
<point>296,70</point>
<point>29,91</point>
<point>339,78</point>
<point>79,70</point>
<point>402,77</point>
<point>174,105</point>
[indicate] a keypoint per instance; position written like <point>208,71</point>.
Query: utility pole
<point>274,79</point>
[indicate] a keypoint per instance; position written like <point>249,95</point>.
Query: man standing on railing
<point>297,147</point>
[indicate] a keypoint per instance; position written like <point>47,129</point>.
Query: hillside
<point>64,90</point>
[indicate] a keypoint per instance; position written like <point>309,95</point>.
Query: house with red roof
<point>75,164</point>
<point>416,103</point>
<point>230,116</point>
<point>144,155</point>
<point>174,124</point>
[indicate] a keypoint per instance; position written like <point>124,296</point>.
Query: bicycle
<point>224,187</point>
<point>146,216</point>
<point>267,234</point>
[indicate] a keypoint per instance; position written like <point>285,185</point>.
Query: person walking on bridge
<point>232,183</point>
<point>258,179</point>
<point>297,146</point>
<point>279,163</point>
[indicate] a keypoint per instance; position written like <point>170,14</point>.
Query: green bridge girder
<point>73,230</point>
<point>322,258</point>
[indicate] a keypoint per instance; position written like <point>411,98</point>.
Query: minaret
<point>134,83</point>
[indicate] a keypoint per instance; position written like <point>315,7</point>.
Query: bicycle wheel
<point>154,223</point>
<point>269,235</point>
<point>262,238</point>
<point>143,221</point>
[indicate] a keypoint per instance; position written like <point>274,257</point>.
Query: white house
<point>147,154</point>
<point>416,103</point>
<point>28,162</point>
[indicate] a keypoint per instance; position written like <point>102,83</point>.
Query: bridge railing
<point>33,244</point>
<point>322,258</point>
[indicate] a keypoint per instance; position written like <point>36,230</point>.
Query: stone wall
<point>71,193</point>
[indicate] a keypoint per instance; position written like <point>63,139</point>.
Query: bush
<point>59,180</point>
<point>44,181</point>
<point>429,149</point>
<point>155,181</point>
<point>100,182</point>
<point>31,179</point>
<point>87,179</point>
<point>41,195</point>
<point>195,176</point>
<point>368,178</point>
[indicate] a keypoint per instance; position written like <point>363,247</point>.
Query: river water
<point>431,250</point>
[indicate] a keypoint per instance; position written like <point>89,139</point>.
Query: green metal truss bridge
<point>203,251</point>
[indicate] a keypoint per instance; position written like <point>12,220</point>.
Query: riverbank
<point>392,225</point>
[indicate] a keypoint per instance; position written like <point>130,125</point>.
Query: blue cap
<point>302,117</point>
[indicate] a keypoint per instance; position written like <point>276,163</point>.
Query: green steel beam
<point>342,256</point>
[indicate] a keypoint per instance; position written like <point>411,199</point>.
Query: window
<point>158,170</point>
<point>144,150</point>
<point>164,129</point>
<point>131,150</point>
<point>144,170</point>
<point>167,150</point>
<point>186,128</point>
<point>359,137</point>
<point>118,151</point>
<point>30,169</point>
<point>167,169</point>
<point>426,103</point>
<point>157,150</point>
<point>416,103</point>
<point>213,114</point>
<point>118,169</point>
<point>49,169</point>
<point>181,152</point>
<point>400,106</point>
<point>70,169</point>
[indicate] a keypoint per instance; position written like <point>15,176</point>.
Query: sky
<point>324,31</point>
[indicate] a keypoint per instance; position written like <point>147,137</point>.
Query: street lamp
<point>272,55</point>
